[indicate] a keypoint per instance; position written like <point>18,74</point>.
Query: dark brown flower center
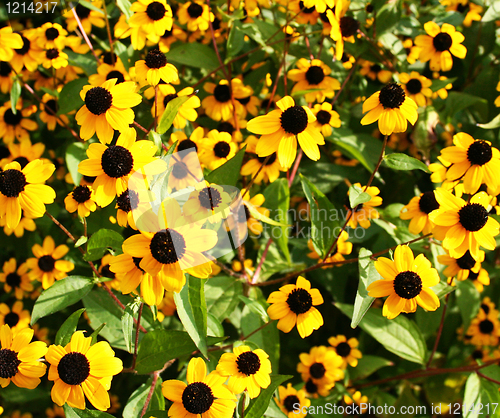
<point>180,171</point>
<point>81,194</point>
<point>197,398</point>
<point>186,144</point>
<point>323,117</point>
<point>116,74</point>
<point>168,98</point>
<point>167,246</point>
<point>225,127</point>
<point>315,75</point>
<point>26,46</point>
<point>348,26</point>
<point>51,34</point>
<point>311,387</point>
<point>52,53</point>
<point>245,100</point>
<point>479,152</point>
<point>51,106</point>
<point>375,68</point>
<point>22,161</point>
<point>209,198</point>
<point>82,11</point>
<point>117,161</point>
<point>13,280</point>
<point>407,284</point>
<point>109,58</point>
<point>428,202</point>
<point>271,160</point>
<point>46,263</point>
<point>462,8</point>
<point>156,59</point>
<point>466,262</point>
<point>473,276</point>
<point>343,349</point>
<point>299,301</point>
<point>473,216</point>
<point>243,215</point>
<point>324,17</point>
<point>222,149</point>
<point>222,93</point>
<point>12,182</point>
<point>128,200</point>
<point>12,119</point>
<point>486,326</point>
<point>5,69</point>
<point>414,86</point>
<point>317,370</point>
<point>248,363</point>
<point>106,272</point>
<point>392,96</point>
<point>294,120</point>
<point>306,10</point>
<point>485,308</point>
<point>442,42</point>
<point>9,363</point>
<point>291,403</point>
<point>156,10</point>
<point>98,100</point>
<point>73,368</point>
<point>11,319</point>
<point>195,10</point>
<point>137,262</point>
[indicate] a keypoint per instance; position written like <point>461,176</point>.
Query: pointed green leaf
<point>68,328</point>
<point>398,161</point>
<point>228,173</point>
<point>168,116</point>
<point>367,275</point>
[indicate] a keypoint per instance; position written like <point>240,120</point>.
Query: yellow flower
<point>407,282</point>
<point>321,365</point>
<point>391,108</point>
<point>54,58</point>
<point>292,402</point>
<point>253,167</point>
<point>326,118</point>
<point>484,329</point>
<point>439,44</point>
<point>219,106</point>
<point>20,358</point>
<point>186,112</point>
<point>375,71</point>
<point>155,68</point>
<point>16,318</point>
<point>313,75</point>
<point>460,268</point>
<point>15,279</point>
<point>87,17</point>
<point>365,211</point>
<point>107,72</point>
<point>16,126</point>
<point>418,211</point>
<point>346,349</point>
<point>196,14</point>
<point>203,396</point>
<point>8,42</point>
<point>416,87</point>
<point>80,370</point>
<point>217,149</point>
<point>247,370</point>
<point>48,112</point>
<point>208,202</point>
<point>342,248</point>
<point>293,304</point>
<point>344,28</point>
<point>51,35</point>
<point>29,55</point>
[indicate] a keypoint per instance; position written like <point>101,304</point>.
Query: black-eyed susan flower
<point>81,199</point>
<point>196,15</point>
<point>25,223</point>
<point>281,128</point>
<point>294,305</point>
<point>320,5</point>
<point>313,75</point>
<point>113,165</point>
<point>174,247</point>
<point>479,279</point>
<point>126,203</point>
<point>54,58</point>
<point>326,118</point>
<point>46,266</point>
<point>464,225</point>
<point>80,370</point>
<point>107,107</point>
<point>471,11</point>
<point>418,211</point>
<point>208,202</point>
<point>347,349</point>
<point>489,307</point>
<point>186,112</point>
<point>6,77</point>
<point>16,317</point>
<point>15,278</point>
<point>366,210</point>
<point>23,153</point>
<point>217,149</point>
<point>51,35</point>
<point>8,42</point>
<point>439,45</point>
<point>474,161</point>
<point>321,365</point>
<point>292,402</point>
<point>20,358</point>
<point>48,112</point>
<point>152,16</point>
<point>342,248</point>
<point>304,15</point>
<point>16,126</point>
<point>247,370</point>
<point>262,169</point>
<point>416,87</point>
<point>255,203</point>
<point>375,71</point>
<point>155,68</point>
<point>344,28</point>
<point>219,106</point>
<point>186,171</point>
<point>185,143</point>
<point>460,268</point>
<point>313,390</point>
<point>392,108</point>
<point>87,17</point>
<point>407,282</point>
<point>484,329</point>
<point>29,55</point>
<point>203,396</point>
<point>24,189</point>
<point>107,72</point>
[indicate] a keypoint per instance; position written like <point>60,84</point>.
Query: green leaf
<point>263,218</point>
<point>256,307</point>
<point>472,396</point>
<point>228,173</point>
<point>361,147</point>
<point>493,124</point>
<point>69,97</point>
<point>158,347</point>
<point>61,294</point>
<point>277,196</point>
<point>221,296</point>
<point>155,138</point>
<point>357,196</point>
<point>96,333</point>
<point>368,365</point>
<point>68,328</point>
<point>325,220</point>
<point>192,311</point>
<point>468,301</point>
<point>15,93</point>
<point>129,314</point>
<point>441,84</point>
<point>490,397</point>
<point>99,243</point>
<point>90,6</point>
<point>80,241</point>
<point>458,101</point>
<point>124,6</point>
<point>194,55</point>
<point>136,401</point>
<point>168,116</point>
<point>399,335</point>
<point>235,40</point>
<point>388,16</point>
<point>75,153</point>
<point>398,161</point>
<point>367,275</point>
<point>259,405</point>
<point>84,413</point>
